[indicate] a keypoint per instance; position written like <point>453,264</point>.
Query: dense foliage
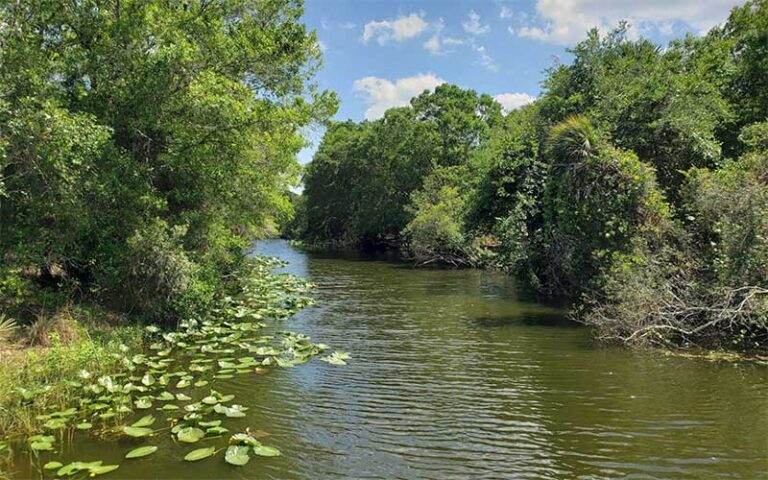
<point>635,185</point>
<point>143,142</point>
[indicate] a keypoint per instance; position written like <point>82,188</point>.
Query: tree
<point>154,120</point>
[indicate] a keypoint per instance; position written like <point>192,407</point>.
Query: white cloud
<point>473,25</point>
<point>398,30</point>
<point>567,21</point>
<point>347,25</point>
<point>433,45</point>
<point>512,101</point>
<point>486,61</point>
<point>453,41</point>
<point>381,94</point>
<point>437,42</point>
<point>506,13</point>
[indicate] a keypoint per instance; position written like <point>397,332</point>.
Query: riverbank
<point>36,378</point>
<point>81,384</point>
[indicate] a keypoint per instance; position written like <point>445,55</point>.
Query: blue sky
<point>378,54</point>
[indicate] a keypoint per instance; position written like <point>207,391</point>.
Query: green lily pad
<point>237,455</point>
<point>190,435</point>
<point>144,421</point>
<point>141,452</point>
<point>84,426</point>
<point>41,446</point>
<point>216,431</point>
<point>137,431</point>
<point>264,451</point>
<point>102,469</point>
<point>165,397</point>
<point>199,454</point>
<point>53,465</point>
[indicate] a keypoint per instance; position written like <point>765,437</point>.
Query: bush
<point>436,231</point>
<point>162,281</point>
<point>708,285</point>
<point>597,204</point>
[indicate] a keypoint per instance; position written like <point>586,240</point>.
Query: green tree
<point>170,122</point>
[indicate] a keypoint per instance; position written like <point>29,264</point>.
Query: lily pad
<point>102,469</point>
<point>190,435</point>
<point>141,452</point>
<point>137,431</point>
<point>199,454</point>
<point>53,465</point>
<point>264,451</point>
<point>144,421</point>
<point>41,446</point>
<point>237,455</point>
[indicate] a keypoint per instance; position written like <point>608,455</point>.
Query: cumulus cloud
<point>513,101</point>
<point>381,94</point>
<point>506,13</point>
<point>567,21</point>
<point>473,25</point>
<point>399,29</point>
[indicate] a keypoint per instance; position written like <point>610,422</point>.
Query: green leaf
<point>144,421</point>
<point>141,452</point>
<point>244,439</point>
<point>190,435</point>
<point>84,426</point>
<point>265,451</point>
<point>165,397</point>
<point>102,469</point>
<point>53,465</point>
<point>199,454</point>
<point>216,430</point>
<point>41,446</point>
<point>137,431</point>
<point>237,455</point>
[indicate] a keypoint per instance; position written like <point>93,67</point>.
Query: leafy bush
<point>598,200</point>
<point>708,284</point>
<point>436,231</point>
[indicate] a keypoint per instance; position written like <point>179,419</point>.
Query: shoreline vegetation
<point>636,185</point>
<point>99,385</point>
<point>143,146</point>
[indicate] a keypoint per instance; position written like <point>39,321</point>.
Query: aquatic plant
<point>231,341</point>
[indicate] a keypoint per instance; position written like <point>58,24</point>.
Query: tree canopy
<point>634,185</point>
<point>144,141</point>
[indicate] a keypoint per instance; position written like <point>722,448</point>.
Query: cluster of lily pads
<point>174,377</point>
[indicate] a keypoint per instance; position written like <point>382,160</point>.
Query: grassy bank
<point>105,374</point>
<point>38,365</point>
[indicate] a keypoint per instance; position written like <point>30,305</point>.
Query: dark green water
<point>457,375</point>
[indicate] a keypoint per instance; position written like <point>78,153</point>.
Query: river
<point>459,374</point>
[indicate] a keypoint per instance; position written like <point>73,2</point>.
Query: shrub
<point>597,202</point>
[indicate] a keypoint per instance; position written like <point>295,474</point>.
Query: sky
<point>378,54</point>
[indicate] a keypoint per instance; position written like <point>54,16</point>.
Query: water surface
<point>459,374</point>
